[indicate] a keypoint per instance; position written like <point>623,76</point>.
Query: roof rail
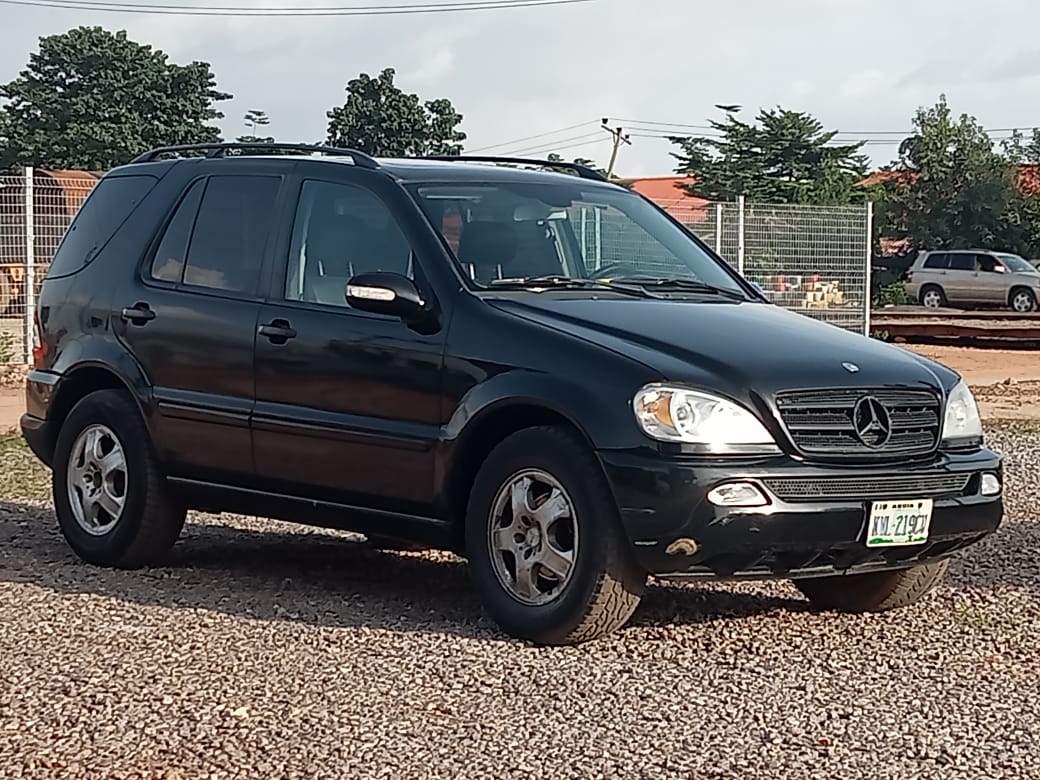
<point>222,149</point>
<point>582,170</point>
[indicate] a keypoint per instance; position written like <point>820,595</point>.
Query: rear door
<point>348,403</point>
<point>189,319</point>
<point>961,280</point>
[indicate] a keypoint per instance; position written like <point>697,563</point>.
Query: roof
<point>669,193</point>
<point>415,169</point>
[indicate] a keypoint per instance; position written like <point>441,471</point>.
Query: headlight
<point>962,424</point>
<point>691,417</point>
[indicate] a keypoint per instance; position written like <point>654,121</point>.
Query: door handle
<point>277,331</point>
<point>138,314</point>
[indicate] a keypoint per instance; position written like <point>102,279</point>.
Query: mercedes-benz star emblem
<point>852,368</point>
<point>872,423</point>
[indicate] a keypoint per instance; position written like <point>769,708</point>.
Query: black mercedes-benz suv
<point>512,359</point>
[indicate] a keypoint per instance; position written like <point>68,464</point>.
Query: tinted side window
<point>962,262</point>
<point>341,230</point>
<point>107,207</point>
<point>987,263</point>
<point>168,262</point>
<point>230,233</point>
<point>940,260</point>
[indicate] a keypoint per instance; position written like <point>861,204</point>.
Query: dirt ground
<point>1006,382</point>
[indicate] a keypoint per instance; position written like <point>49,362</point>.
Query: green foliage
<point>6,349</point>
<point>892,294</point>
<point>92,99</point>
<point>554,157</point>
<point>783,157</point>
<point>381,119</point>
<point>951,188</point>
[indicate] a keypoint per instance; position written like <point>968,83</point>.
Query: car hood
<point>745,347</point>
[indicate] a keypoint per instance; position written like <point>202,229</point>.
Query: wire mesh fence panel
<point>52,198</point>
<point>812,259</point>
<point>12,268</point>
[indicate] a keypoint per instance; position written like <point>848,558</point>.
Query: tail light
<point>39,345</point>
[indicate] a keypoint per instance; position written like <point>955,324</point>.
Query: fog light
<point>737,494</point>
<point>990,484</point>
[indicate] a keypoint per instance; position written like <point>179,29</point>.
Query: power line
<point>550,145</point>
<point>646,125</point>
<point>360,10</point>
<point>531,137</point>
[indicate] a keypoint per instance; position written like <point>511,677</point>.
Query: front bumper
<point>675,532</point>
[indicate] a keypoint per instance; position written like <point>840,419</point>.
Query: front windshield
<point>1016,263</point>
<point>513,230</point>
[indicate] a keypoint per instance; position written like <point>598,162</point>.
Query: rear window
<point>109,204</point>
<point>962,262</point>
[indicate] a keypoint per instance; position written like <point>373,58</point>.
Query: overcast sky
<point>859,66</point>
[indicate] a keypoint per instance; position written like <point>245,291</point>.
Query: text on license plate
<point>895,523</point>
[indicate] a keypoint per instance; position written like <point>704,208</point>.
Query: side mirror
<point>386,293</point>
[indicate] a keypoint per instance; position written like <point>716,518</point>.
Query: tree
<point>1024,156</point>
<point>253,119</point>
<point>554,157</point>
<point>381,119</point>
<point>951,188</point>
<point>92,99</point>
<point>783,157</point>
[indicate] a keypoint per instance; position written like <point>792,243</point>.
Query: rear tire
<point>874,591</point>
<point>113,504</point>
<point>581,582</point>
<point>933,297</point>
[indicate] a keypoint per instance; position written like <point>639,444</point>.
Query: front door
<point>189,319</point>
<point>347,403</point>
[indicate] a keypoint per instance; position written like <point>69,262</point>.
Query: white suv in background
<point>974,277</point>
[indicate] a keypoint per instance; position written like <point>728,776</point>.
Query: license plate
<point>898,523</point>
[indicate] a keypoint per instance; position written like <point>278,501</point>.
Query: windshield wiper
<point>557,281</point>
<point>678,283</point>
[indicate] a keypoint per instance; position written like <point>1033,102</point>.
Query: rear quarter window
<point>107,207</point>
<point>936,261</point>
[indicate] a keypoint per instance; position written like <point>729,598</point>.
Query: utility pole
<point>620,137</point>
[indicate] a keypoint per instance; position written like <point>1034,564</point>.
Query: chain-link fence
<point>35,209</point>
<point>812,259</point>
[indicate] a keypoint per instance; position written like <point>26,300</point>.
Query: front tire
<point>112,502</point>
<point>1022,301</point>
<point>874,591</point>
<point>545,544</point>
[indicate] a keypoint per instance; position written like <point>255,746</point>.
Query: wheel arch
<point>493,423</point>
<point>76,383</point>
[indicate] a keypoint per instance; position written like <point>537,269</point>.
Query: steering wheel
<point>610,268</point>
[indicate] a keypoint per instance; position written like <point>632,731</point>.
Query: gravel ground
<point>269,651</point>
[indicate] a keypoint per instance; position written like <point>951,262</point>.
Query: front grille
<point>822,422</point>
<point>867,488</point>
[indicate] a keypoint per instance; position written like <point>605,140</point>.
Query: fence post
<point>29,294</point>
<point>740,234</point>
<point>599,236</point>
<point>867,298</point>
<point>718,229</point>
